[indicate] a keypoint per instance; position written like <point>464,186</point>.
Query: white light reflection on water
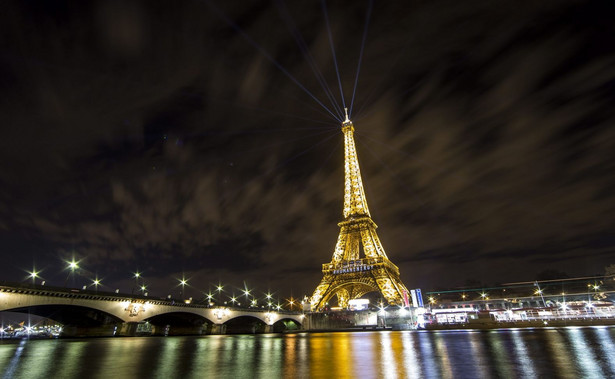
<point>169,356</point>
<point>6,352</point>
<point>559,353</point>
<point>477,352</point>
<point>71,362</point>
<point>210,352</point>
<point>116,355</point>
<point>584,354</point>
<point>242,352</point>
<point>500,353</point>
<point>388,366</point>
<point>607,348</point>
<point>363,350</point>
<point>270,359</point>
<point>38,358</point>
<point>428,357</point>
<point>411,355</point>
<point>527,365</point>
<point>14,363</point>
<point>199,357</point>
<point>441,350</point>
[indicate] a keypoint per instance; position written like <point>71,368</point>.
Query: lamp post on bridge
<point>137,275</point>
<point>182,282</point>
<point>268,296</point>
<point>96,283</point>
<point>209,297</point>
<point>72,266</point>
<point>219,288</point>
<point>246,292</point>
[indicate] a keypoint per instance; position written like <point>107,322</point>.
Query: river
<point>570,352</point>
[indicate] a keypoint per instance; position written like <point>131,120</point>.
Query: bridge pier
<point>268,328</point>
<point>128,329</point>
<point>218,329</point>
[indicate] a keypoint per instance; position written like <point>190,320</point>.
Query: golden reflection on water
<point>327,358</point>
<point>291,369</point>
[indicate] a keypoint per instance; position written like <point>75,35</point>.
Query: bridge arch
<point>179,323</point>
<point>69,314</point>
<point>286,324</point>
<point>245,324</point>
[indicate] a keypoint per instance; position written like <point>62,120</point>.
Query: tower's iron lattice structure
<point>351,274</point>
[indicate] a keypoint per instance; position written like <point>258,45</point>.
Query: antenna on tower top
<point>347,119</point>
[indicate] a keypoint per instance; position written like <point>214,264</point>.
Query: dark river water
<point>522,353</point>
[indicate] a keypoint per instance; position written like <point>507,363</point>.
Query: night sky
<point>177,138</point>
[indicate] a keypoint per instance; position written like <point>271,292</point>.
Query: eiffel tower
<point>351,274</point>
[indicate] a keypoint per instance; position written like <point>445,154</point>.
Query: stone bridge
<point>86,312</point>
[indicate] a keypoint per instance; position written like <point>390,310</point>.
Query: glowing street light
<point>143,289</point>
<point>33,274</point>
<point>96,283</point>
<point>291,302</point>
<point>268,296</point>
<point>73,265</point>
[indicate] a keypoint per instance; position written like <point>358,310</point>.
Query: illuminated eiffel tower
<point>351,274</point>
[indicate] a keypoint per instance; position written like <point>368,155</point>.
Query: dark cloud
<point>161,137</point>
